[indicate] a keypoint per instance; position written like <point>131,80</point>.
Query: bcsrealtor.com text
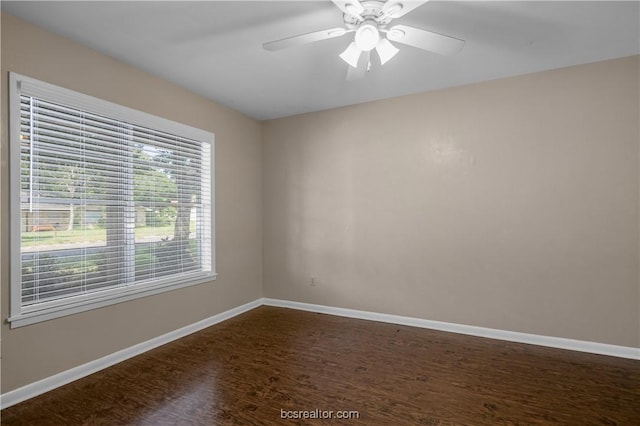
<point>319,414</point>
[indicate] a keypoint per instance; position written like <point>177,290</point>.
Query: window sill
<point>101,299</point>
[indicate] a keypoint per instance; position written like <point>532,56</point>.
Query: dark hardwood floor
<point>272,361</point>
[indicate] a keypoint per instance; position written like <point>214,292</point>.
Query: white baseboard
<point>41,386</point>
<point>511,336</point>
<point>37,388</point>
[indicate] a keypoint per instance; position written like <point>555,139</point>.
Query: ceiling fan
<point>369,20</point>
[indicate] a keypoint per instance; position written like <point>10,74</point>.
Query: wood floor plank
<point>252,368</point>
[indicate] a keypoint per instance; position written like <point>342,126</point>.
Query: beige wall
<point>511,204</point>
<point>34,352</point>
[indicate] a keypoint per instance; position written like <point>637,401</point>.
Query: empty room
<point>360,212</point>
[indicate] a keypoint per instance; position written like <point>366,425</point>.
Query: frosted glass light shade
<point>351,55</point>
<point>386,50</point>
<point>367,36</point>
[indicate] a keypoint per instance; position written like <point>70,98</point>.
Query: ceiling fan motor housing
<point>372,10</point>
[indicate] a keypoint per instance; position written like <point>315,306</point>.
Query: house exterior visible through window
<point>107,203</point>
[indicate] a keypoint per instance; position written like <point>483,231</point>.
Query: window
<point>107,203</point>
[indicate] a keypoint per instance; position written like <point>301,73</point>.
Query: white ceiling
<point>214,48</point>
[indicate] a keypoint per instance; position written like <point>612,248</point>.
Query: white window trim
<point>19,316</point>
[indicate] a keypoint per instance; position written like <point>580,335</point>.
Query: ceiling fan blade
<point>299,40</point>
<point>350,7</point>
<point>361,70</point>
<point>398,8</point>
<point>427,40</point>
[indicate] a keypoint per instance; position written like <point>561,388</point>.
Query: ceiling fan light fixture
<point>351,55</point>
<point>386,51</point>
<point>367,36</point>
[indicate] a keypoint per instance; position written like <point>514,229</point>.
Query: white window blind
<point>113,203</point>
